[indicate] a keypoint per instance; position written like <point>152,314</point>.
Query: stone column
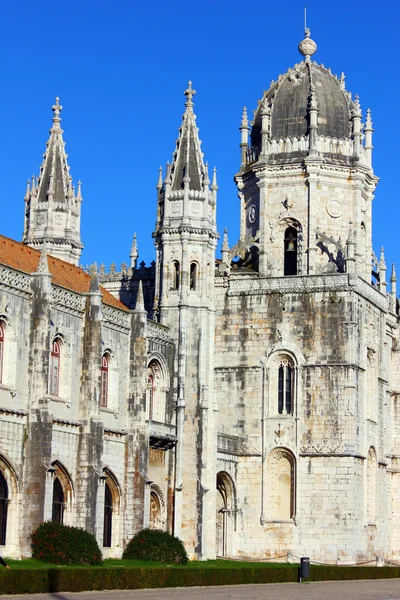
<point>137,440</point>
<point>90,449</point>
<point>39,425</point>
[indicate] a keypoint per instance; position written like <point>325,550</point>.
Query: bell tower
<point>52,205</point>
<point>306,176</point>
<point>186,239</point>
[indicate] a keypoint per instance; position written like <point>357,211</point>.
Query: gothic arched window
<point>55,359</point>
<point>290,249</point>
<point>105,359</point>
<point>193,276</point>
<point>175,275</point>
<point>58,502</point>
<point>3,509</point>
<point>1,350</point>
<point>108,510</point>
<point>156,392</point>
<point>285,386</point>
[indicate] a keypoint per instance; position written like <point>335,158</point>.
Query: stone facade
<point>248,404</point>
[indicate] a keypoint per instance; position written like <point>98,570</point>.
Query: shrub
<point>65,545</point>
<point>156,545</point>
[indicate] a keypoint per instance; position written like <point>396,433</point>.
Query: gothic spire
<point>52,210</point>
<point>187,164</point>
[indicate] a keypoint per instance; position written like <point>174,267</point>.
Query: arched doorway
<point>225,515</point>
<point>3,509</point>
<point>108,510</point>
<point>58,503</point>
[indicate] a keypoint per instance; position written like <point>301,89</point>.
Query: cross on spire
<point>189,93</point>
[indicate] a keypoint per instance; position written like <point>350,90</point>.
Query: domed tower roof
<point>289,100</point>
<point>308,108</point>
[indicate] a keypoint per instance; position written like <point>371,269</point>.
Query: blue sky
<point>120,69</point>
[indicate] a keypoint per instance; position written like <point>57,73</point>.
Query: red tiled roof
<point>23,258</point>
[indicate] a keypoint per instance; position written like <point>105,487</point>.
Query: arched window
<point>290,249</point>
<point>156,392</point>
<point>55,367</point>
<point>108,510</point>
<point>285,386</point>
<point>58,502</point>
<point>193,276</point>
<point>282,485</point>
<point>1,350</point>
<point>175,275</point>
<point>371,486</point>
<point>3,509</point>
<point>104,380</point>
<point>150,390</point>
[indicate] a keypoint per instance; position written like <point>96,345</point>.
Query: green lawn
<point>32,563</point>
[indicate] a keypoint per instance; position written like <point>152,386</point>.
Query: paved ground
<point>383,589</point>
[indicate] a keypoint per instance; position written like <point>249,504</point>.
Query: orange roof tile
<point>23,258</point>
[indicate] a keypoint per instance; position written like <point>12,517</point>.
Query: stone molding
<point>296,284</point>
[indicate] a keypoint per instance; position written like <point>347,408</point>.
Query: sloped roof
<point>23,258</point>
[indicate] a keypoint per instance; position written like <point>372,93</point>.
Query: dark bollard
<point>304,568</point>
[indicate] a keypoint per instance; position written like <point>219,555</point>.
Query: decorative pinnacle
<point>28,190</point>
<point>214,185</point>
<point>225,243</point>
<point>245,122</point>
<point>94,279</point>
<point>79,194</point>
<point>159,182</point>
<point>189,93</point>
<point>43,266</point>
<point>393,275</point>
<point>140,298</point>
<point>134,252</point>
<point>206,178</point>
<point>368,124</point>
<point>56,108</point>
<point>382,258</point>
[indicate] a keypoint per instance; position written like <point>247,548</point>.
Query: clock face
<point>252,214</point>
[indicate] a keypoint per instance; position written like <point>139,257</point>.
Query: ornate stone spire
<point>187,164</point>
<point>52,211</point>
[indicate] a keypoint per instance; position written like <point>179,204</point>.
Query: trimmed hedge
<point>30,581</point>
<point>64,545</point>
<point>156,545</point>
